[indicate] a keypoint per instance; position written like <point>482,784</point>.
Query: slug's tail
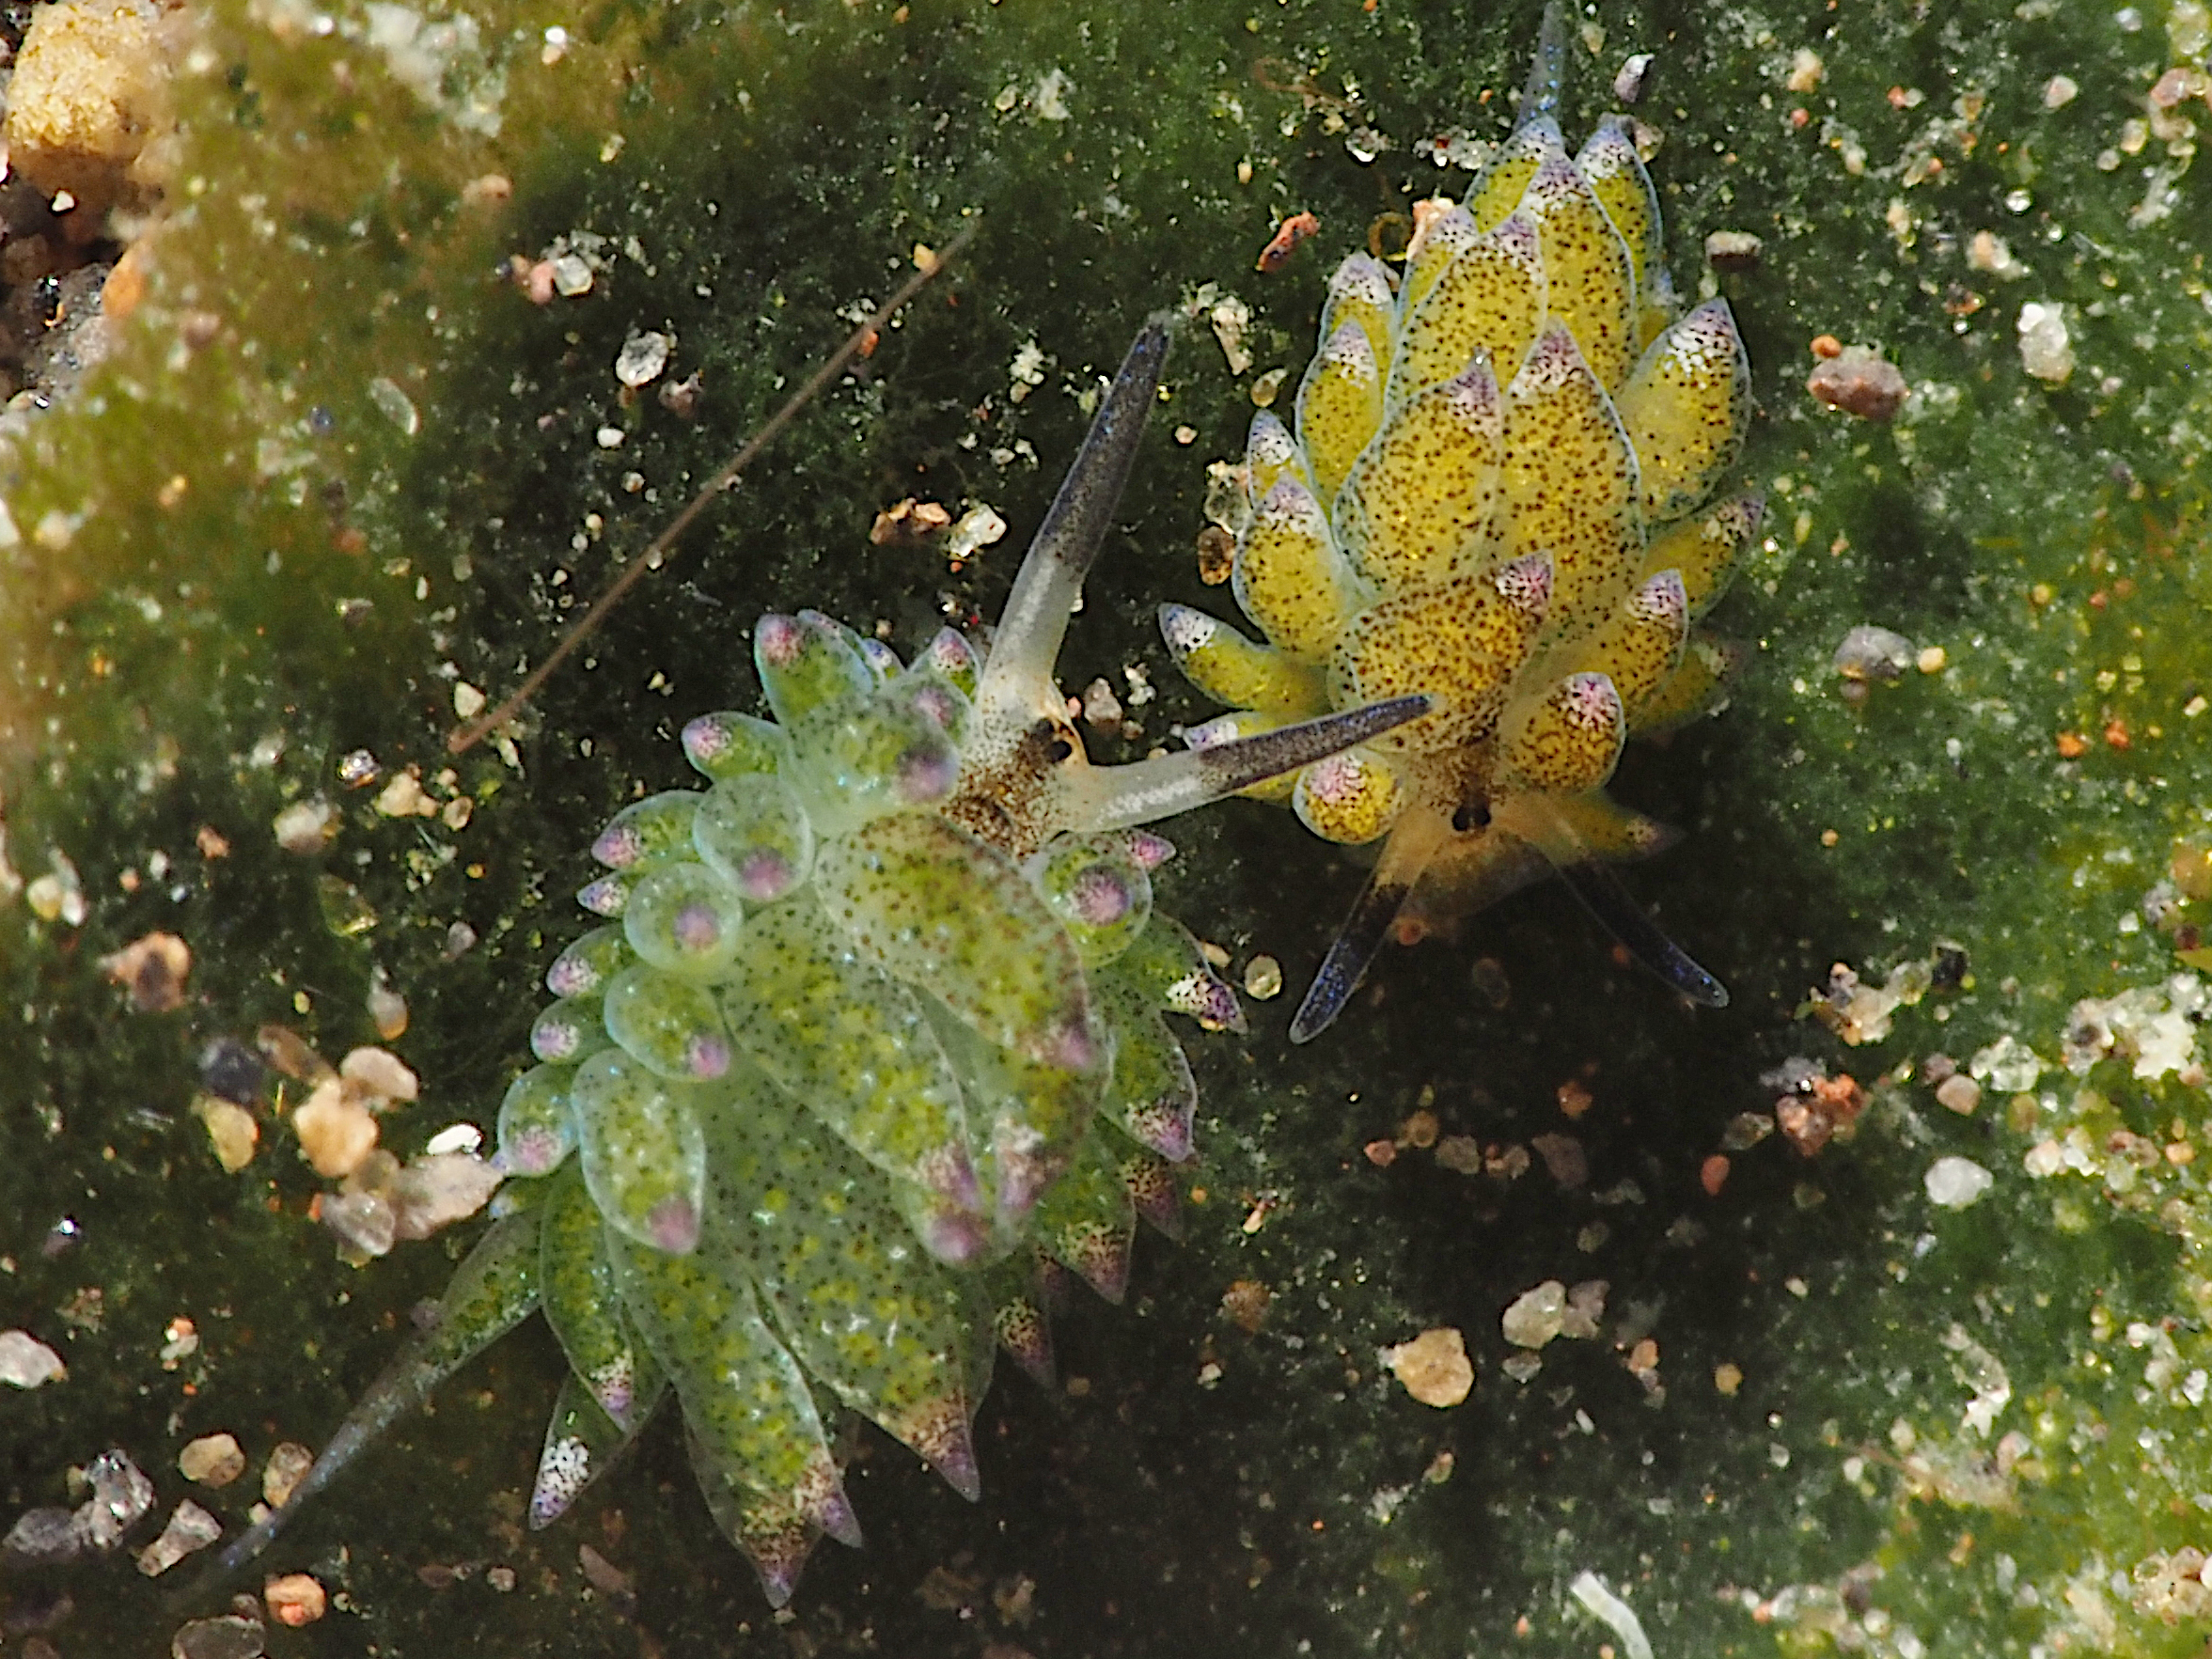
<point>492,1291</point>
<point>399,1390</point>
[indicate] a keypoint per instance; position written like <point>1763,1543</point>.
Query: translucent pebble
<point>1868,652</point>
<point>231,1132</point>
<point>1536,1316</point>
<point>27,1363</point>
<point>567,1030</point>
<point>295,1598</point>
<point>1433,1367</point>
<point>755,833</point>
<point>230,1636</point>
<point>190,1529</point>
<point>1862,382</point>
<point>1099,891</point>
<point>122,1495</point>
<point>212,1460</point>
<point>2045,352</point>
<point>683,918</point>
<point>647,829</point>
<point>535,1133</point>
<point>642,358</point>
<point>439,1188</point>
<point>643,1156</point>
<point>364,1222</point>
<point>726,745</point>
<point>1954,1184</point>
<point>288,1465</point>
<point>42,1537</point>
<point>589,963</point>
<point>380,1075</point>
<point>669,1023</point>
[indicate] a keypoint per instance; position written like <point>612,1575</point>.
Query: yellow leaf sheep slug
<point>870,1037</point>
<point>1496,493</point>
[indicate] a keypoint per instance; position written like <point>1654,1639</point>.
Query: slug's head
<point>1026,775</point>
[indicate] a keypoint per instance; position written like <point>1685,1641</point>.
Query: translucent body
<point>837,1049</point>
<point>1495,493</point>
<point>873,1031</point>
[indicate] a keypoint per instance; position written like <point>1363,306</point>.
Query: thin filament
<point>467,736</point>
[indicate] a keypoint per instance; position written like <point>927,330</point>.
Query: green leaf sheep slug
<point>871,1035</point>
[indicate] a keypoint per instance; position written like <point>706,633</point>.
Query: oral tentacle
<point>1035,618</point>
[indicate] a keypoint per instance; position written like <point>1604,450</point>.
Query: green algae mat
<point>1867,1312</point>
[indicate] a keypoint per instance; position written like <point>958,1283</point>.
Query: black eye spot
<point>1050,741</point>
<point>1472,815</point>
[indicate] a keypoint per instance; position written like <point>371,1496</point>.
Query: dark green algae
<point>1192,1486</point>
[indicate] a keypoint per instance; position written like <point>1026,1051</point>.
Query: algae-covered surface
<point>343,470</point>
